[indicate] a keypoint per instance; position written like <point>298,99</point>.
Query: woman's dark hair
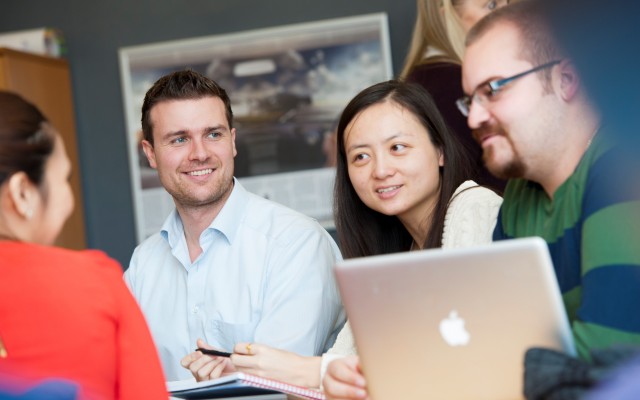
<point>365,232</point>
<point>25,141</point>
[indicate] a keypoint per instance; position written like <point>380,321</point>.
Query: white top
<point>471,216</point>
<point>470,220</point>
<point>264,275</point>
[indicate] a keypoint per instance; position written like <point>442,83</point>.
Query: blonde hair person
<point>432,30</point>
<point>442,26</point>
<point>434,58</point>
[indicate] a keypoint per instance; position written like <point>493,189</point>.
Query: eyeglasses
<point>487,91</point>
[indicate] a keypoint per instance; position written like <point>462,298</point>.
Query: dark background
<point>93,33</point>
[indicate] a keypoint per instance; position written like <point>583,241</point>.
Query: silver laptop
<point>453,324</point>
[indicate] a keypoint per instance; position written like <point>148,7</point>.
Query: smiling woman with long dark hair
<point>402,183</point>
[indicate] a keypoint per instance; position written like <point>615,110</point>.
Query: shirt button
<point>194,310</point>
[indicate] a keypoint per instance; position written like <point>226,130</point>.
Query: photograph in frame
<point>287,86</point>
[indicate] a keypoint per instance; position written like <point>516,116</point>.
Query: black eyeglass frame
<point>464,103</point>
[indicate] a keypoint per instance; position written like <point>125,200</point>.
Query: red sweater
<point>68,314</point>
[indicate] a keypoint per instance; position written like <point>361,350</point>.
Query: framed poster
<point>287,85</point>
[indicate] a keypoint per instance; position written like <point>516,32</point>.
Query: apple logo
<point>453,331</point>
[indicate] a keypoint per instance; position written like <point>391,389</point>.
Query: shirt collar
<point>226,222</point>
<point>232,213</point>
<point>172,229</point>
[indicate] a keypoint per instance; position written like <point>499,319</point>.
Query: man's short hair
<point>538,44</point>
<point>181,85</point>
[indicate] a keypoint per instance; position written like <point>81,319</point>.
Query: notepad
<point>238,384</point>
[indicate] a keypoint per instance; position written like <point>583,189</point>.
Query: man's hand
<point>205,367</point>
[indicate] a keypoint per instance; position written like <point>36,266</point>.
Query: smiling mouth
<point>481,137</point>
<point>200,172</point>
<point>486,132</point>
<point>388,189</point>
<point>486,137</point>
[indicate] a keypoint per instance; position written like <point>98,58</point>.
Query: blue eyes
<point>185,139</point>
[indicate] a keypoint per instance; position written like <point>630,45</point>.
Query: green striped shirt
<point>592,227</point>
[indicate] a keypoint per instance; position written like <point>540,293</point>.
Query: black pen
<point>213,352</point>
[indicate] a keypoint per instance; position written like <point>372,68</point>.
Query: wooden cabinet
<point>46,82</point>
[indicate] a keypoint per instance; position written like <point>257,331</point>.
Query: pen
<point>213,352</point>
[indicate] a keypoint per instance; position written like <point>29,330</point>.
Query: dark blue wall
<point>95,30</point>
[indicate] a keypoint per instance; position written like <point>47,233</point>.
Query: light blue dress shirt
<point>265,275</point>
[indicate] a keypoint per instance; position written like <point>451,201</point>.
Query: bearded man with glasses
<point>569,182</point>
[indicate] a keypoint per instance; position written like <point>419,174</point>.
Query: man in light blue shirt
<point>228,266</point>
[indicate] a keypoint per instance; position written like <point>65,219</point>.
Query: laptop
<point>453,323</point>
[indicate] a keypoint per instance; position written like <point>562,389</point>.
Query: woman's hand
<point>204,367</point>
<point>281,365</point>
<point>344,380</point>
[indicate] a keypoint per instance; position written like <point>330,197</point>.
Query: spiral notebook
<point>238,384</point>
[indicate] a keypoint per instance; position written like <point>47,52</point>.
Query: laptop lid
<point>455,323</point>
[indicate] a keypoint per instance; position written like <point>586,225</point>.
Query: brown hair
<point>25,139</point>
<point>363,231</point>
<point>181,85</point>
<point>537,42</point>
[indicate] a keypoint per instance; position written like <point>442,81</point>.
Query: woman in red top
<point>63,314</point>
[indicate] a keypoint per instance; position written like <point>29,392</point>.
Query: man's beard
<point>514,168</point>
<point>188,196</point>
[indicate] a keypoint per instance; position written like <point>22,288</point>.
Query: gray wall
<point>95,30</point>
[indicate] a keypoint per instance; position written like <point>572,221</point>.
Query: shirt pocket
<point>226,334</point>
